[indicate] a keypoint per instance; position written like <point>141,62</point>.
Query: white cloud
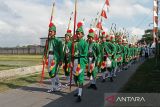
<point>137,31</point>
<point>126,9</point>
<point>4,26</point>
<point>27,20</point>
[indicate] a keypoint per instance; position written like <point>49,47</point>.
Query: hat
<point>112,37</point>
<point>69,33</point>
<point>80,27</point>
<point>108,37</point>
<point>103,34</point>
<point>52,27</point>
<point>124,41</point>
<point>118,38</point>
<point>91,33</point>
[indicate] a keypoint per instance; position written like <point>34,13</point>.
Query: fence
<point>22,50</point>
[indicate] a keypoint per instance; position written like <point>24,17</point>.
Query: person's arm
<point>60,52</point>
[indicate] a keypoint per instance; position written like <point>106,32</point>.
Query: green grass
<point>145,80</point>
<point>5,67</point>
<point>14,83</point>
<point>16,61</point>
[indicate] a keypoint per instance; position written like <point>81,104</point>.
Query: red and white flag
<point>103,14</point>
<point>99,25</point>
<point>107,2</point>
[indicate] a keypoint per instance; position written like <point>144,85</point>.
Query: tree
<point>148,36</point>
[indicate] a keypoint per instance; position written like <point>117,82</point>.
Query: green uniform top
<point>126,52</point>
<point>81,52</point>
<point>67,51</point>
<point>56,46</point>
<point>93,51</point>
<point>104,49</point>
<point>113,49</point>
<point>119,51</point>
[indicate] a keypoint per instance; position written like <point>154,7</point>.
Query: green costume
<point>126,54</point>
<point>54,49</point>
<point>105,52</point>
<point>113,49</point>
<point>93,58</point>
<point>118,55</point>
<point>80,60</point>
<point>67,57</point>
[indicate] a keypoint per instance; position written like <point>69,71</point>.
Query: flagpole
<point>74,36</point>
<point>70,19</point>
<point>46,46</point>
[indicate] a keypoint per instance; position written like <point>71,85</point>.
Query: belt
<point>91,56</point>
<point>51,52</point>
<point>75,57</point>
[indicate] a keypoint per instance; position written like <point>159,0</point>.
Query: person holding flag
<point>54,55</point>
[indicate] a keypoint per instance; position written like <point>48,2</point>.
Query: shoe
<point>94,87</point>
<point>114,75</point>
<point>103,80</point>
<point>59,85</point>
<point>51,90</point>
<point>91,86</point>
<point>68,84</point>
<point>111,79</point>
<point>75,94</point>
<point>78,99</point>
<point>57,89</point>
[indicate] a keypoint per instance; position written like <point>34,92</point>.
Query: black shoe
<point>111,79</point>
<point>78,99</point>
<point>103,80</point>
<point>90,86</point>
<point>94,87</point>
<point>75,94</point>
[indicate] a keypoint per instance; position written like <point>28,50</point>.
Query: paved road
<point>35,95</point>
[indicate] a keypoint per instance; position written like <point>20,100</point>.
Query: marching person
<point>105,58</point>
<point>54,54</point>
<point>67,55</point>
<point>126,54</point>
<point>93,59</point>
<point>80,60</point>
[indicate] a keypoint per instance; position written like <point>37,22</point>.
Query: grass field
<point>16,61</point>
<point>18,82</point>
<point>14,83</point>
<point>145,80</point>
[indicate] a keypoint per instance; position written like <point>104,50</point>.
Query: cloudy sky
<point>24,22</point>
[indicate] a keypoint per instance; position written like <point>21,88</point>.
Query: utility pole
<point>155,28</point>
